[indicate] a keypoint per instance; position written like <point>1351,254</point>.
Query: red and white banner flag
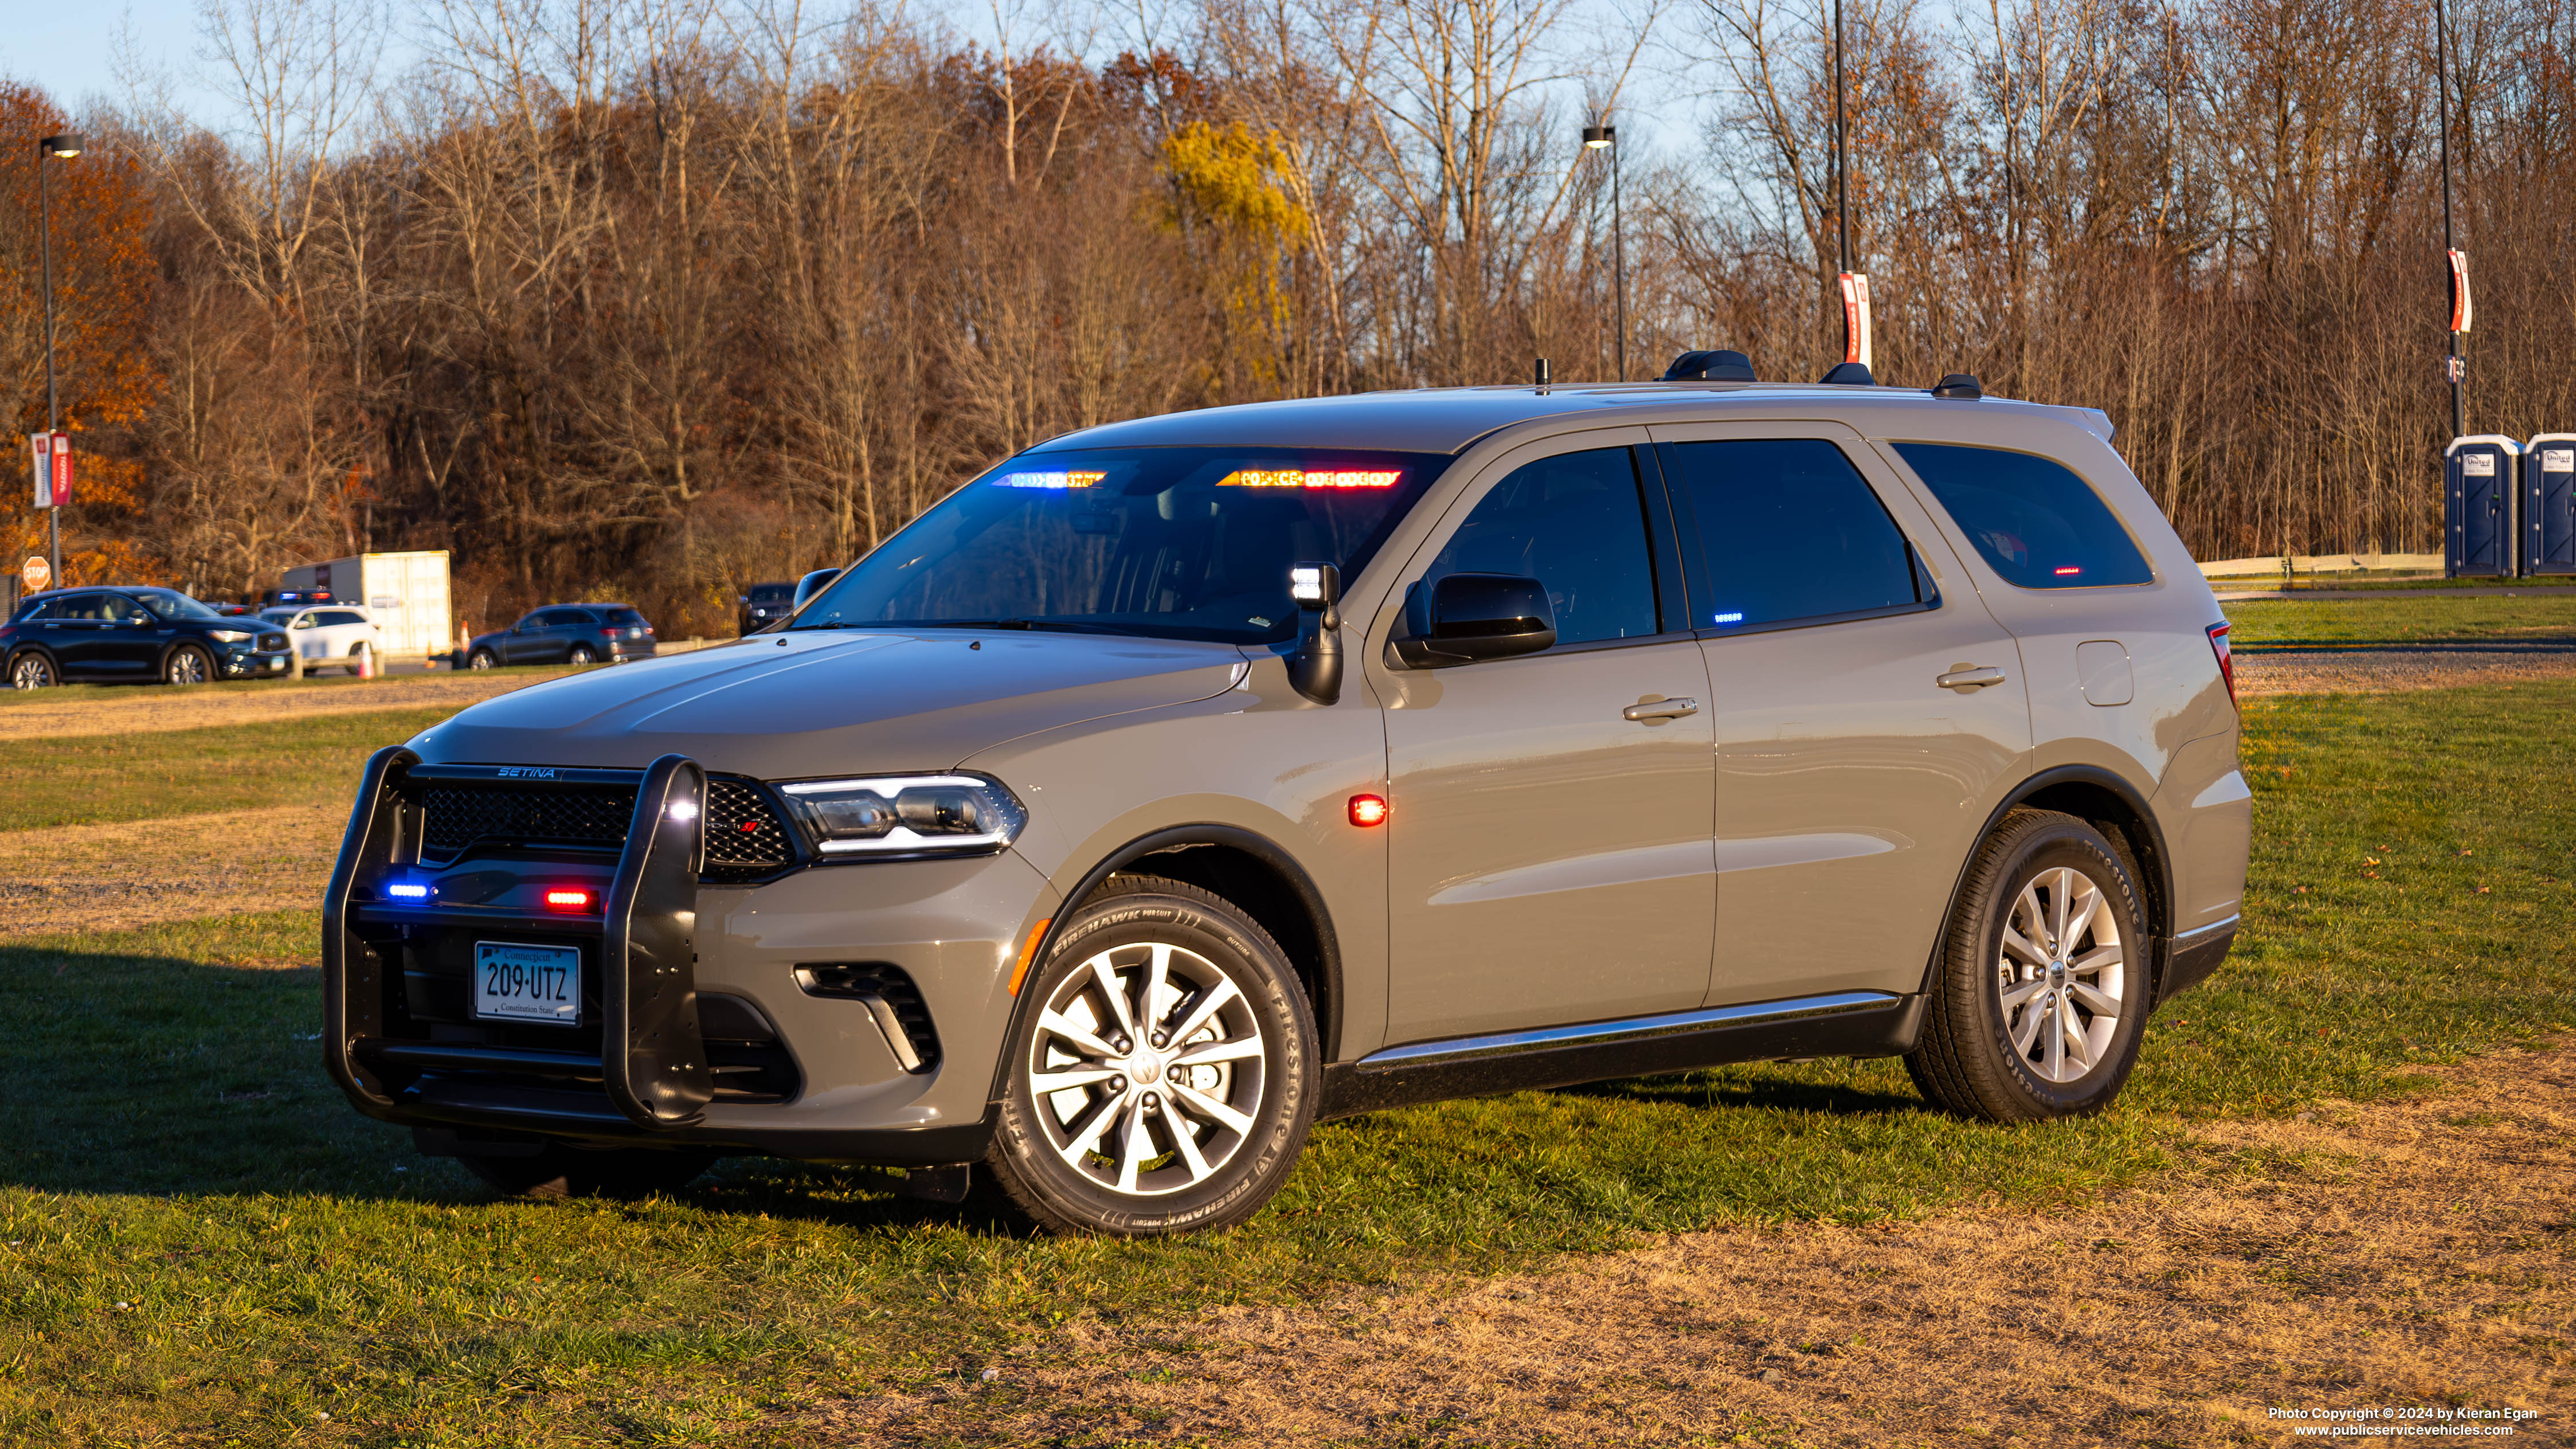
<point>62,470</point>
<point>1856,317</point>
<point>2460,309</point>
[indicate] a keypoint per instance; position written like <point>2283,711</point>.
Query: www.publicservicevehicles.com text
<point>2414,1421</point>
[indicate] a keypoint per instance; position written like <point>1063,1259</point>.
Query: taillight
<point>2226,660</point>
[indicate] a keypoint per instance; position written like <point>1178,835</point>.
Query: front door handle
<point>1968,677</point>
<point>1648,711</point>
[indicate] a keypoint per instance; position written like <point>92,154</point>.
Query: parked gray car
<point>1181,782</point>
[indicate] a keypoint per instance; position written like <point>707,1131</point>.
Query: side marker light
<point>1368,810</point>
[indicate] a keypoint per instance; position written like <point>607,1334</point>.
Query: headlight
<point>906,814</point>
<point>231,636</point>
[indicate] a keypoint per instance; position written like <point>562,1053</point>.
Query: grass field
<point>2404,619</point>
<point>200,1243</point>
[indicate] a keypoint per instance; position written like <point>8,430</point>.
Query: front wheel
<point>1165,1072</point>
<point>31,670</point>
<point>187,664</point>
<point>2040,997</point>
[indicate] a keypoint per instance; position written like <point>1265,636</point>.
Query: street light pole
<point>2452,366</point>
<point>66,146</point>
<point>1596,138</point>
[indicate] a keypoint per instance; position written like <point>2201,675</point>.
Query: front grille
<point>271,643</point>
<point>461,815</point>
<point>746,838</point>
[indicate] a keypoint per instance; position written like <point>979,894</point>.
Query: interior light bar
<point>1309,478</point>
<point>1049,480</point>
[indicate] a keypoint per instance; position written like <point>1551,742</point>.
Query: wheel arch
<point>2110,804</point>
<point>1255,874</point>
<point>52,660</point>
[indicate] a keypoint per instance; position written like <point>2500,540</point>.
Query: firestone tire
<point>558,1171</point>
<point>1162,1013</point>
<point>2040,997</point>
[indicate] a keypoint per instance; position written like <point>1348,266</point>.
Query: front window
<point>1177,543</point>
<point>171,604</point>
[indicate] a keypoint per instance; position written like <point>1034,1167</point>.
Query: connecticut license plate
<point>528,983</point>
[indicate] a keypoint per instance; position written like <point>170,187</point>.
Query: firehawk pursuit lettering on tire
<point>1177,784</point>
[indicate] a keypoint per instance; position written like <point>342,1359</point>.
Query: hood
<point>820,702</point>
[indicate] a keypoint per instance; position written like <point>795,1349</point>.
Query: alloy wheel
<point>2062,975</point>
<point>187,666</point>
<point>1147,1069</point>
<point>32,671</point>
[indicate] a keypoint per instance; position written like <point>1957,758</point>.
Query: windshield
<point>772,593</point>
<point>171,605</point>
<point>1180,543</point>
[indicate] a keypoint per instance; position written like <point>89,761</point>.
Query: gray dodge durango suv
<point>1180,782</point>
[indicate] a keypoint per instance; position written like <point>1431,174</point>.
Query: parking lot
<point>2340,1175</point>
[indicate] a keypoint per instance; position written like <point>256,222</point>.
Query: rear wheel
<point>187,664</point>
<point>481,659</point>
<point>581,655</point>
<point>32,670</point>
<point>2041,994</point>
<point>1165,1073</point>
<point>557,1170</point>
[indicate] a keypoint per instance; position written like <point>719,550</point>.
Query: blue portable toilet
<point>2481,484</point>
<point>2549,504</point>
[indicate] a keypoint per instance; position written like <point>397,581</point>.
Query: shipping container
<point>405,593</point>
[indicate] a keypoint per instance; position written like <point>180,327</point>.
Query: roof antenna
<point>1542,374</point>
<point>1854,286</point>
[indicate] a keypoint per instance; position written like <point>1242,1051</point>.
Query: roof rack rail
<point>1720,365</point>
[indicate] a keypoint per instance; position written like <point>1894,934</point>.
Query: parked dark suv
<point>1180,782</point>
<point>136,634</point>
<point>763,605</point>
<point>566,634</point>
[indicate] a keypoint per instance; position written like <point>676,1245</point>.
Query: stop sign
<point>37,574</point>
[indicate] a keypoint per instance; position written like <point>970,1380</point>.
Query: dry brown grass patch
<point>2401,1253</point>
<point>146,872</point>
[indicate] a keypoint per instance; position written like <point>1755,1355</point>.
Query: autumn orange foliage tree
<point>103,284</point>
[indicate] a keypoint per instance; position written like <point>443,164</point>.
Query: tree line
<point>652,299</point>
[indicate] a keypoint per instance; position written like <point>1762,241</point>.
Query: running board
<point>1851,1023</point>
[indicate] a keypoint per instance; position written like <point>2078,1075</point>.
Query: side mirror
<point>1465,618</point>
<point>812,584</point>
<point>1315,666</point>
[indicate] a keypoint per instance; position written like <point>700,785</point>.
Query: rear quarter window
<point>624,618</point>
<point>2035,521</point>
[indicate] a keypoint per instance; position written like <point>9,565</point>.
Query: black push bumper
<point>647,1057</point>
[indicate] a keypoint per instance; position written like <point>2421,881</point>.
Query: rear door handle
<point>1655,709</point>
<point>1966,677</point>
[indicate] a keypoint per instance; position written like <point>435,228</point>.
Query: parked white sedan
<point>329,634</point>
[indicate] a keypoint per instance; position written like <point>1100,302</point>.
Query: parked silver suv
<point>1180,782</point>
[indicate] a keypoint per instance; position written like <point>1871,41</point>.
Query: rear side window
<point>1577,524</point>
<point>624,618</point>
<point>2035,521</point>
<point>1785,530</point>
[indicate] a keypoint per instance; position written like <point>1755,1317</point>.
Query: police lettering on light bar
<point>1309,478</point>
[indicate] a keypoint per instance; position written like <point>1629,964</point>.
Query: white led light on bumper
<point>906,814</point>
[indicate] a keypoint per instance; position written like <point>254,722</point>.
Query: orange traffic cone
<point>366,662</point>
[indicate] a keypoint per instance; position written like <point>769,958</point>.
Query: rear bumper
<point>766,1017</point>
